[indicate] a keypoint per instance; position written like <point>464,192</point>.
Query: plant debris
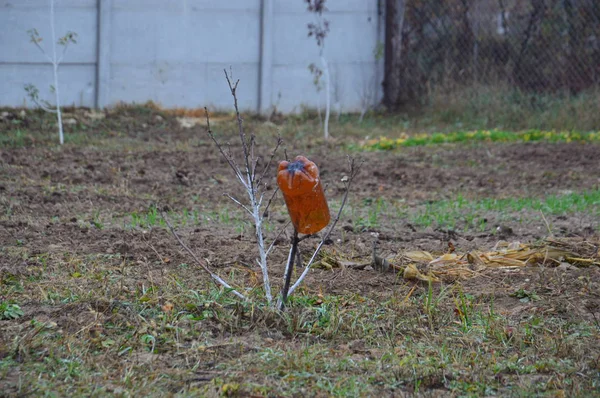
<point>425,266</point>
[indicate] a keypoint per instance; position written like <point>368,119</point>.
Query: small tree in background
<point>55,60</point>
<point>319,30</point>
<point>317,73</point>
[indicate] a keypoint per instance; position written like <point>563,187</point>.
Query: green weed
<point>406,140</point>
<point>472,213</point>
<point>10,310</point>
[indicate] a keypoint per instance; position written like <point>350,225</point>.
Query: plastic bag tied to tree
<point>303,194</point>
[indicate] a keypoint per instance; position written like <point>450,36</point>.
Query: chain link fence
<point>538,46</point>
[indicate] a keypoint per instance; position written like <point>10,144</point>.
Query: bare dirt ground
<point>80,242</point>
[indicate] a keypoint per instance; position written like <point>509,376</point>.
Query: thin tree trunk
<point>61,136</point>
<point>55,70</point>
<point>289,269</point>
<point>327,95</point>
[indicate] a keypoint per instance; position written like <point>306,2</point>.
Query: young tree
<point>251,172</point>
<point>319,30</point>
<point>55,59</point>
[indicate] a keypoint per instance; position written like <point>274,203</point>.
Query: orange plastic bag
<point>303,193</point>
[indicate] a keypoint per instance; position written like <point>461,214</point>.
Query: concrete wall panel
<point>173,51</point>
<point>16,47</point>
<point>76,84</point>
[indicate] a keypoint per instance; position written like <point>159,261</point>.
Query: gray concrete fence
<point>173,52</point>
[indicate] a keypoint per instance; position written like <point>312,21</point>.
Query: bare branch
<point>232,159</point>
<point>253,158</point>
<point>354,169</point>
<point>33,94</point>
<point>240,121</point>
<point>44,107</point>
<point>226,156</point>
<point>277,237</point>
<point>238,203</point>
<point>268,164</point>
<point>306,237</point>
<point>254,166</point>
<point>269,202</point>
<point>66,45</point>
<point>49,58</point>
<point>216,277</point>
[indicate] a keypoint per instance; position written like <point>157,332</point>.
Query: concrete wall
<point>22,63</point>
<point>173,52</point>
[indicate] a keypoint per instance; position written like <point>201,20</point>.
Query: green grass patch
<point>473,213</point>
<point>229,216</point>
<point>162,336</point>
<point>405,140</point>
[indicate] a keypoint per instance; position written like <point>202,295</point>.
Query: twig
<point>160,258</point>
<point>63,53</point>
<point>277,237</point>
<point>546,222</point>
<point>257,158</point>
<point>269,202</point>
<point>268,164</point>
<point>44,107</point>
<point>255,162</point>
<point>200,263</point>
<point>306,237</point>
<point>354,169</point>
<point>238,203</point>
<point>233,89</point>
<point>37,44</point>
<point>227,157</point>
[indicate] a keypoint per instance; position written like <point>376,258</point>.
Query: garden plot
<point>97,297</point>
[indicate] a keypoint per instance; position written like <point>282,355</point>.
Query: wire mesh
<point>532,45</point>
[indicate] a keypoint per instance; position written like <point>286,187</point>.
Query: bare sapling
<point>251,173</point>
<point>319,30</point>
<point>338,93</point>
<point>55,59</point>
<point>317,73</point>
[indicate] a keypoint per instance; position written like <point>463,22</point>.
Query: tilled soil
<point>50,198</point>
<point>73,203</point>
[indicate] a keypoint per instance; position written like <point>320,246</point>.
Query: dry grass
<point>502,107</point>
<point>97,300</point>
